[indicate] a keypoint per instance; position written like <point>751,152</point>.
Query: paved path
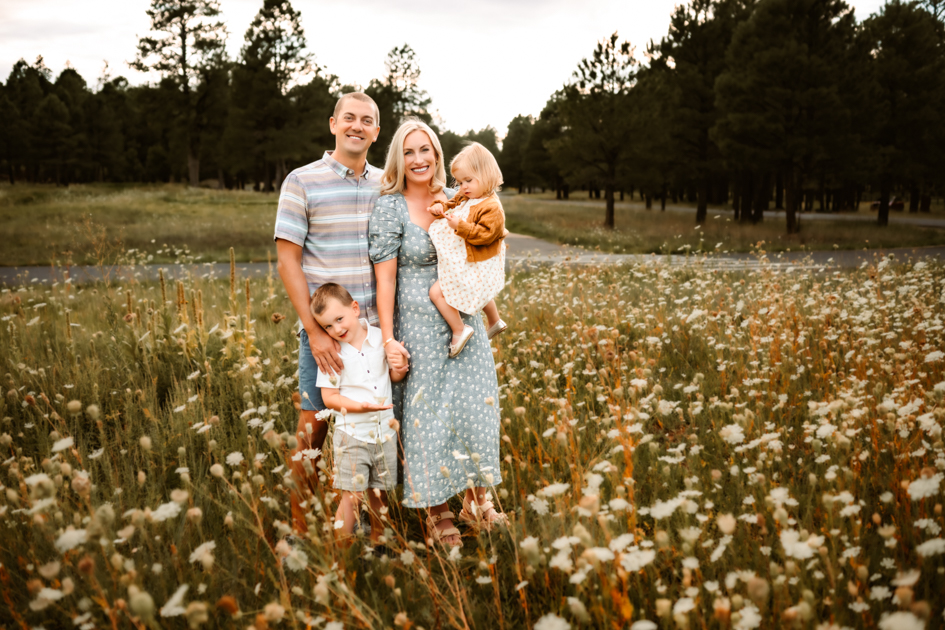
<point>918,220</point>
<point>524,251</point>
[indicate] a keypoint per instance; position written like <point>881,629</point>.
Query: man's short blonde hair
<point>479,162</point>
<point>327,292</point>
<point>358,96</point>
<point>395,170</point>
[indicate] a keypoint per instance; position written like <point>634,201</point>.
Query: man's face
<point>340,321</point>
<point>355,128</point>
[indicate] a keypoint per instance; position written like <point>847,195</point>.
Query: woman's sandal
<point>481,516</point>
<point>438,535</point>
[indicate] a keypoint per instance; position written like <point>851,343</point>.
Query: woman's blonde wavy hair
<point>393,179</point>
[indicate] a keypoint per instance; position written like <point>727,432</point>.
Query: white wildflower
<point>63,444</point>
<point>552,621</point>
<point>70,539</point>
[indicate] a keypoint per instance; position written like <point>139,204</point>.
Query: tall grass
<point>683,447</point>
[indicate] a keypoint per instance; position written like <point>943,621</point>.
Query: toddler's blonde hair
<point>481,164</point>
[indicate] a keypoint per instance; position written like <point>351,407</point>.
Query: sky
<point>482,61</point>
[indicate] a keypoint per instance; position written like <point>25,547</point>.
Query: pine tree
<point>782,110</point>
<point>593,110</point>
<point>187,37</point>
<point>512,158</point>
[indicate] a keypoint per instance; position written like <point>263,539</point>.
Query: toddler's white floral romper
<point>467,286</point>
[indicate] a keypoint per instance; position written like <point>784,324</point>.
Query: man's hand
<point>453,221</point>
<point>397,355</point>
<point>325,351</point>
<point>436,209</point>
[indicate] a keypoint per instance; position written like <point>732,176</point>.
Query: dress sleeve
<point>385,229</point>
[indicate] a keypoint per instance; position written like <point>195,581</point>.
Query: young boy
<point>365,441</point>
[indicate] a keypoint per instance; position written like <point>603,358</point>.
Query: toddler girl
<point>469,245</point>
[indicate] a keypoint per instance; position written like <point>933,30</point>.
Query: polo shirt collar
<point>343,171</point>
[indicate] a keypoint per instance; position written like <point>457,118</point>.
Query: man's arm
<point>324,348</point>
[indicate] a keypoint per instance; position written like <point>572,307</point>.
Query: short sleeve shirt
<point>324,208</point>
<point>365,378</point>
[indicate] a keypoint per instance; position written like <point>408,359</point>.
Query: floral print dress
<point>448,407</point>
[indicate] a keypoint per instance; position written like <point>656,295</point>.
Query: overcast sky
<point>482,61</point>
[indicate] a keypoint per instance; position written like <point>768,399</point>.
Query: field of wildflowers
<point>682,448</point>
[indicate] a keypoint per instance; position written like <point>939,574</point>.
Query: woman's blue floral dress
<point>450,433</point>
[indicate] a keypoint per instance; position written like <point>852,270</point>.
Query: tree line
<point>791,104</point>
<point>758,103</point>
<point>242,123</point>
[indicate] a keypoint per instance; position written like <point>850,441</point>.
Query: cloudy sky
<point>482,61</point>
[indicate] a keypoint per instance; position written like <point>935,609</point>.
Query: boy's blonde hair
<point>395,170</point>
<point>481,164</point>
<point>325,293</point>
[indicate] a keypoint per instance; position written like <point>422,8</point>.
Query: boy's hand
<point>376,407</point>
<point>453,221</point>
<point>436,209</point>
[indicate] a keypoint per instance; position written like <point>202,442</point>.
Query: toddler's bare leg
<point>450,314</point>
<point>492,313</point>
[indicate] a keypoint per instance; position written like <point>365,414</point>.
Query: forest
<point>798,105</point>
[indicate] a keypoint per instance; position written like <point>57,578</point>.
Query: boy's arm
<point>335,401</point>
<point>487,228</point>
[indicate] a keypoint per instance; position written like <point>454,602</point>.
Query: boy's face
<point>340,320</point>
<point>355,128</point>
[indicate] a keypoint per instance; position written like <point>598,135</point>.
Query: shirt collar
<point>343,171</point>
<point>373,338</point>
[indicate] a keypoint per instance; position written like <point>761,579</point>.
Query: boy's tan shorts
<point>376,464</point>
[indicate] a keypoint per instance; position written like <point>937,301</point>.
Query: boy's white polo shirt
<point>366,374</point>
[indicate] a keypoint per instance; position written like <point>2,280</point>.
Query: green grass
<point>579,221</point>
<point>88,224</point>
<point>171,223</point>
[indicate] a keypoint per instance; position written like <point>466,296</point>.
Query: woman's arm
<point>386,274</point>
<point>335,401</point>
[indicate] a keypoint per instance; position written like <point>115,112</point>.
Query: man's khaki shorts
<point>362,465</point>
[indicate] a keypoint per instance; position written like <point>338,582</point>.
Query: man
<point>322,236</point>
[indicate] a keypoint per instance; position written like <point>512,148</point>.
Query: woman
<point>449,421</point>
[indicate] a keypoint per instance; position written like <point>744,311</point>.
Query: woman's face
<point>419,159</point>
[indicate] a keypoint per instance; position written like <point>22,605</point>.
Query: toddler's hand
<point>453,221</point>
<point>376,407</point>
<point>436,209</point>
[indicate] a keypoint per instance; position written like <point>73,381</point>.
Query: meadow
<point>641,231</point>
<point>97,223</point>
<point>683,448</point>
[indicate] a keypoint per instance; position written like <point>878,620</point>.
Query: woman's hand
<point>453,221</point>
<point>397,355</point>
<point>436,209</point>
